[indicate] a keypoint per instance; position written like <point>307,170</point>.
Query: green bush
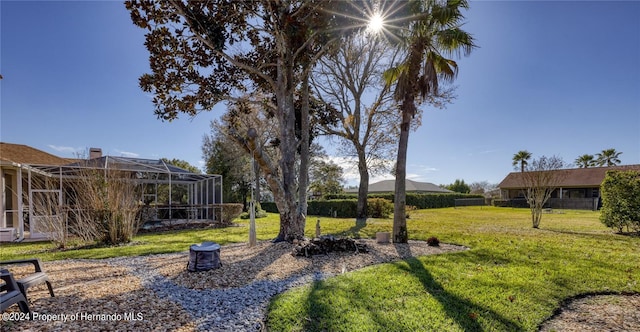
<point>379,208</point>
<point>429,201</point>
<point>330,197</point>
<point>621,200</point>
<point>345,205</point>
<point>269,207</point>
<point>341,208</point>
<point>230,211</point>
<point>260,213</point>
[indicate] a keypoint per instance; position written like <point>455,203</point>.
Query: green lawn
<point>513,277</point>
<point>511,280</point>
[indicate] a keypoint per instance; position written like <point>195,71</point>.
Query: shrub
<point>379,208</point>
<point>621,200</point>
<point>260,213</point>
<point>269,207</point>
<point>429,201</point>
<point>230,211</point>
<point>433,241</point>
<point>345,205</point>
<point>341,208</point>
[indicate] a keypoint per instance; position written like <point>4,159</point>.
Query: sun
<point>376,23</point>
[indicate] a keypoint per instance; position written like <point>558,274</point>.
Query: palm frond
<point>455,42</point>
<point>392,74</point>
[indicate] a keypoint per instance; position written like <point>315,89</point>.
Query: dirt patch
<point>597,313</point>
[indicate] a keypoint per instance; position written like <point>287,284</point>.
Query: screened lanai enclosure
<point>153,192</point>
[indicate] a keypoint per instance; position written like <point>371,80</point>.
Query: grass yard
<point>513,278</point>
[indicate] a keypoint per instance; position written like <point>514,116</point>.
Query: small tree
<point>459,186</point>
<point>541,177</point>
<point>325,177</point>
<point>482,187</point>
<point>621,200</point>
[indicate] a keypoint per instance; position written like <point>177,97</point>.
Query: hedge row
<point>345,205</point>
<point>341,208</point>
<point>420,201</point>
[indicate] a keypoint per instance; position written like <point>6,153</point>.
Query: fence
<point>461,202</point>
<point>554,203</point>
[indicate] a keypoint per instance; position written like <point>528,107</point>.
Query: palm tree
<point>432,36</point>
<point>585,161</point>
<point>522,158</point>
<point>608,157</point>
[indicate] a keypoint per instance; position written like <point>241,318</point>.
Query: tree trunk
<point>303,177</point>
<point>400,234</point>
<point>363,191</point>
<point>291,220</point>
<point>256,173</point>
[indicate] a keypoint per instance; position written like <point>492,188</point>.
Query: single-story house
<point>579,188</point>
<point>27,173</point>
<point>388,186</point>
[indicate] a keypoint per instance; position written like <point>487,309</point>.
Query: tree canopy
<point>521,158</point>
<point>608,157</point>
<point>204,52</point>
<point>459,186</point>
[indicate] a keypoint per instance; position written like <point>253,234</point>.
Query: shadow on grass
<point>334,306</point>
<point>462,311</point>
<point>354,231</point>
<point>594,235</point>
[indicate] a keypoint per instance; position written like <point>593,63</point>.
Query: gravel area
<point>156,293</point>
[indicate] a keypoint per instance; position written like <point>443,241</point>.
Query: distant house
<point>21,166</point>
<point>388,186</point>
<point>580,189</point>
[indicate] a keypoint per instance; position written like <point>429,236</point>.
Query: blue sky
<point>554,78</point>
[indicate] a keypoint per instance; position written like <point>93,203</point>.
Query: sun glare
<point>376,23</point>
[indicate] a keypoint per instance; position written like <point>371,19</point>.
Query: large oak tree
<point>203,52</point>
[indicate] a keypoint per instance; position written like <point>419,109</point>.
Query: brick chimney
<point>95,153</point>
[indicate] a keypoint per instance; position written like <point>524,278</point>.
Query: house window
<point>595,192</point>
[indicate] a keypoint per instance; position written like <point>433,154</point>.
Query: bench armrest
<point>10,282</point>
<point>37,264</point>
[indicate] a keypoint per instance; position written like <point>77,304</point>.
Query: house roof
<point>575,177</point>
<point>41,161</point>
<point>411,186</point>
<point>23,154</point>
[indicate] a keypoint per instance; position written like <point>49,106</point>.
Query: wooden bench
<point>11,294</point>
<point>33,279</point>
